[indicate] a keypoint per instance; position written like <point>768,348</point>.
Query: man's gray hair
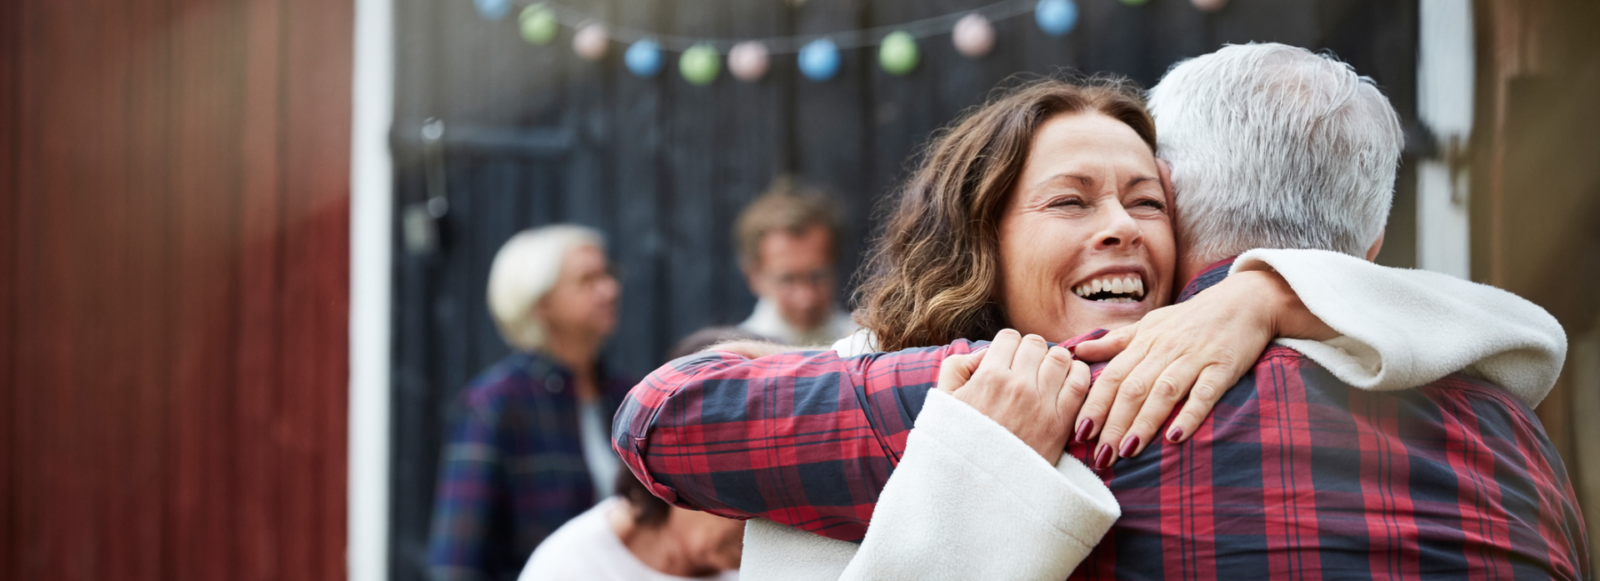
<point>524,271</point>
<point>1273,146</point>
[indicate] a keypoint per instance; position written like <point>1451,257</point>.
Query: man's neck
<point>578,355</point>
<point>1189,268</point>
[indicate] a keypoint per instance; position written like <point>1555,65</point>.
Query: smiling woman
<point>1082,160</point>
<point>1086,226</point>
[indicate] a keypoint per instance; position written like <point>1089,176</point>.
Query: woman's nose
<point>1120,229</point>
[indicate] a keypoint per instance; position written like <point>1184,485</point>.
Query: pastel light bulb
<point>700,64</point>
<point>591,42</point>
<point>537,24</point>
<point>898,53</point>
<point>819,59</point>
<point>643,58</point>
<point>492,9</point>
<point>748,61</point>
<point>1056,17</point>
<point>973,35</point>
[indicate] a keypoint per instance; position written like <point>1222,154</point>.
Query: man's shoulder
<point>1459,387</point>
<point>519,380</point>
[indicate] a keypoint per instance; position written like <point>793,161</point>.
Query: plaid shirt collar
<point>1208,277</point>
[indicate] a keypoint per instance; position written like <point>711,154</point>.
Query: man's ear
<point>1372,253</point>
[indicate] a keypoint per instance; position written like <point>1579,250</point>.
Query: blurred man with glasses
<point>788,246</point>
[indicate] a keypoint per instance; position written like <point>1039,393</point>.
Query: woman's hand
<point>1199,349</point>
<point>1024,384</point>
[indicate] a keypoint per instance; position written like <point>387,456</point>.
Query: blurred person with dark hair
<point>529,442</point>
<point>788,246</point>
<point>634,536</point>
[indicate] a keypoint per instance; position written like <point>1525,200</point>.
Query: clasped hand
<point>1195,351</point>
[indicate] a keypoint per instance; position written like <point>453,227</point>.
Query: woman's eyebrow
<point>1082,180</point>
<point>1136,180</point>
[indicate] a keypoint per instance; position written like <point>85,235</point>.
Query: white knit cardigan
<point>969,500</point>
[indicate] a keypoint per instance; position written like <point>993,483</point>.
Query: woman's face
<point>1085,240</point>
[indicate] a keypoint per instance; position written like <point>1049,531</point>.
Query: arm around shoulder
<point>1402,328</point>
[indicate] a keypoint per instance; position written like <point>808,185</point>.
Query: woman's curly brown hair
<point>933,271</point>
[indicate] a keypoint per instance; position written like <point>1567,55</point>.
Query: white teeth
<point>1132,285</point>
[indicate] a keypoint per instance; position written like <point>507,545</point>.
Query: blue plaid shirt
<point>512,471</point>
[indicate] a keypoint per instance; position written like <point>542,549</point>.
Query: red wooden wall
<point>174,261</point>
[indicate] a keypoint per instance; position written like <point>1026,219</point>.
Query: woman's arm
<point>937,518</point>
<point>806,439</point>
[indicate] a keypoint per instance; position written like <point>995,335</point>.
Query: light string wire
<point>844,39</point>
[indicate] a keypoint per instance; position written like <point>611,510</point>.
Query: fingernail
<point>1073,349</point>
<point>1085,427</point>
<point>1175,434</point>
<point>1129,444</point>
<point>1102,457</point>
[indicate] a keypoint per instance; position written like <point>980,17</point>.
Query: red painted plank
<point>317,180</point>
<point>151,288</point>
<point>259,380</point>
<point>207,181</point>
<point>10,152</point>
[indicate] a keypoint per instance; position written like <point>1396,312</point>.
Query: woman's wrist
<point>1289,315</point>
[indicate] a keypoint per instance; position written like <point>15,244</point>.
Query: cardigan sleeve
<point>966,491</point>
<point>1402,328</point>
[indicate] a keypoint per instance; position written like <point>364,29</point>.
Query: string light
<point>842,40</point>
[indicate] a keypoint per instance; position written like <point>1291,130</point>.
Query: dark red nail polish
<point>1175,434</point>
<point>1073,349</point>
<point>1085,428</point>
<point>1129,444</point>
<point>1102,457</point>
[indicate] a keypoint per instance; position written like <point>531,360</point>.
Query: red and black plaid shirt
<point>1296,475</point>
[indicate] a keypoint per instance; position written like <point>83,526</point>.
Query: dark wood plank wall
<point>174,263</point>
<point>536,135</point>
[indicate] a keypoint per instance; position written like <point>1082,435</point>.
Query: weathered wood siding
<point>174,262</point>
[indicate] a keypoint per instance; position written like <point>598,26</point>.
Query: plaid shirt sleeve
<point>806,439</point>
<point>462,546</point>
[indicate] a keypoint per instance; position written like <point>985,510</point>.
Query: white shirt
<point>594,431</point>
<point>587,549</point>
<point>768,322</point>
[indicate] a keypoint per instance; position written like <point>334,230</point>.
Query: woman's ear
<point>1372,253</point>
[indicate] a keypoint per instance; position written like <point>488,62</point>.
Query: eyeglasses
<point>817,278</point>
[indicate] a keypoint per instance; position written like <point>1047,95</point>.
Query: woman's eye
<point>1067,202</point>
<point>1153,204</point>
